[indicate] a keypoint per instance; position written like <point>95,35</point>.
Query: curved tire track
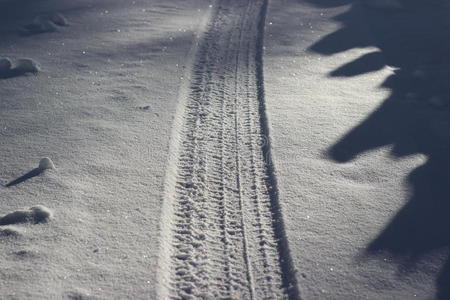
<point>226,237</point>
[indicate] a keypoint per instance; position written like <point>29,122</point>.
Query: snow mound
<point>36,214</point>
<point>5,65</point>
<point>39,25</point>
<point>26,65</point>
<point>22,66</point>
<point>46,163</point>
<point>41,213</point>
<point>44,23</point>
<point>58,19</point>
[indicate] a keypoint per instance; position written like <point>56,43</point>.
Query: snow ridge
<point>225,236</point>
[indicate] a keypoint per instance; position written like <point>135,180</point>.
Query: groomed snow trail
<point>225,238</point>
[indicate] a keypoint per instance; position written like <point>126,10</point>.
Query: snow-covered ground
<point>186,168</point>
<point>360,146</point>
<point>102,109</point>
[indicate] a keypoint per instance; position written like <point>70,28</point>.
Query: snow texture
<point>83,111</point>
<point>360,154</point>
<point>224,213</point>
<point>201,161</point>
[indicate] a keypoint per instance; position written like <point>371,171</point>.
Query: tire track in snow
<point>225,238</point>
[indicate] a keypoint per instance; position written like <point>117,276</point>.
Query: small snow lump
<point>41,213</point>
<point>46,163</point>
<point>36,214</point>
<point>26,65</point>
<point>58,19</point>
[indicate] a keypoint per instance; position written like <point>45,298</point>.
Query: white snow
<point>83,111</point>
<point>358,125</point>
<point>361,171</point>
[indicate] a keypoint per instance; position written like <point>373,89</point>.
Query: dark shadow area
<point>26,18</point>
<point>24,11</point>
<point>367,63</point>
<point>33,173</point>
<point>443,282</point>
<point>350,36</point>
<point>44,23</point>
<point>12,11</point>
<point>16,19</point>
<point>414,119</point>
<point>329,3</point>
<point>36,214</point>
<point>16,217</point>
<point>37,28</point>
<point>15,72</point>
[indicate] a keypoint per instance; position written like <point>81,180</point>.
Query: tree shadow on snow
<point>414,119</point>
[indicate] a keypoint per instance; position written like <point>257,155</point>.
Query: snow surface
<point>224,238</point>
<point>357,101</point>
<point>102,109</point>
<point>361,156</point>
